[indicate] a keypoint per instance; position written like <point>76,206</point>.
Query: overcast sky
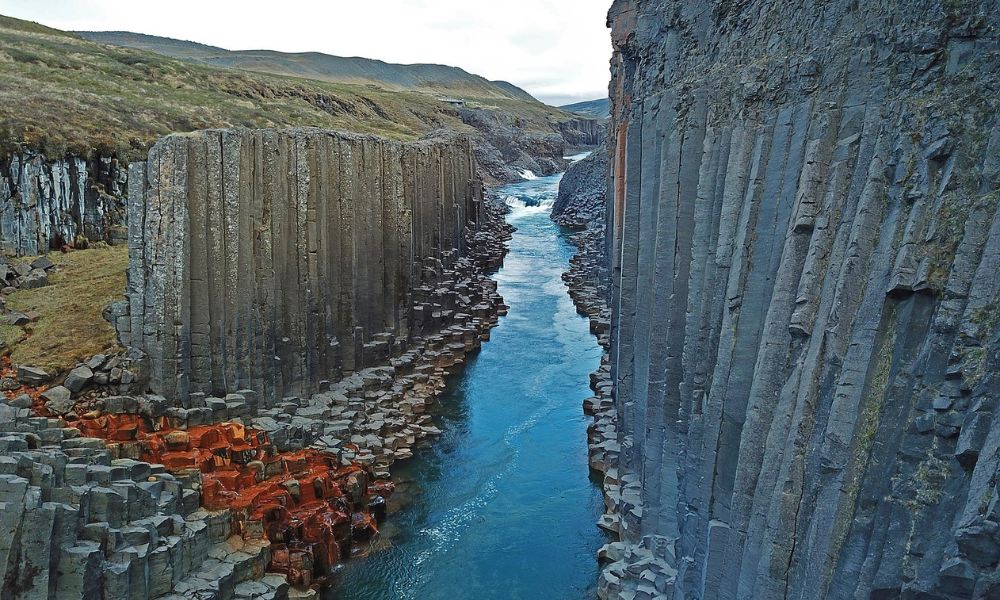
<point>556,49</point>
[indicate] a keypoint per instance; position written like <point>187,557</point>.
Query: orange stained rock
<point>7,369</point>
<point>312,509</point>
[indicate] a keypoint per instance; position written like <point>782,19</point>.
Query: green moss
<point>866,427</point>
<point>949,230</point>
<point>986,319</point>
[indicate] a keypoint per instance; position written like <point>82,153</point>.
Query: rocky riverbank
<point>233,496</point>
<point>630,570</point>
<point>581,206</point>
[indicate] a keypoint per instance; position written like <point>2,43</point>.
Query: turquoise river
<point>501,505</point>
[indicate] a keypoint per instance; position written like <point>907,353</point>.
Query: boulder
<point>78,378</point>
<point>22,401</point>
<point>35,279</point>
<point>31,375</point>
<point>42,262</point>
<point>19,319</point>
<point>58,400</point>
<point>96,361</point>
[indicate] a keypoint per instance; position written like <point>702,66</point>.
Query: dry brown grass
<point>70,326</point>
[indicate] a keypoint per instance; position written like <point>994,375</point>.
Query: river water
<point>502,506</point>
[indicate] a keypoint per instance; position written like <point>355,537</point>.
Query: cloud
<point>556,49</point>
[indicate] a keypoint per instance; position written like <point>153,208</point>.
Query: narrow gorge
<point>296,325</point>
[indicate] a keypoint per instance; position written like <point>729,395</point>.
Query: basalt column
<point>806,299</point>
<point>275,260</point>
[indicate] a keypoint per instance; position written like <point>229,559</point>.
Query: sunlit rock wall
<point>276,260</point>
<point>806,284</point>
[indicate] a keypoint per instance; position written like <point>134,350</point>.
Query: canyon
<point>746,346</point>
<point>200,483</point>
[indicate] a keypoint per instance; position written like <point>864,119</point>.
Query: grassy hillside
<point>61,93</point>
<point>70,326</point>
<point>322,67</point>
<point>595,109</point>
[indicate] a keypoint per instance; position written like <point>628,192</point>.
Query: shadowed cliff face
<point>806,279</point>
<point>582,193</point>
<point>47,204</point>
<point>274,260</point>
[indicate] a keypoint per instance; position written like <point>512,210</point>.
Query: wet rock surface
<point>805,290</point>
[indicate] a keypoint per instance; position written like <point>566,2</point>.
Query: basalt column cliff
<point>277,260</point>
<point>806,275</point>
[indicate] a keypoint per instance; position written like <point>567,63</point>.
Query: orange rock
<point>313,509</point>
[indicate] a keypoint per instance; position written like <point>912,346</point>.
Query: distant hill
<point>322,67</point>
<point>63,94</point>
<point>595,109</point>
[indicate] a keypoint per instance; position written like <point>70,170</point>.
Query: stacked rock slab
<point>806,279</point>
<point>48,204</point>
<point>275,260</point>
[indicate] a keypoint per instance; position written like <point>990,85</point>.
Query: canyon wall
<point>806,279</point>
<point>48,204</point>
<point>258,258</point>
<point>583,193</point>
<point>584,132</point>
<point>276,260</point>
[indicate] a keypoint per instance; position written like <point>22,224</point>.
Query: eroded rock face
<point>805,299</point>
<point>582,193</point>
<point>584,132</point>
<point>49,204</point>
<point>276,260</point>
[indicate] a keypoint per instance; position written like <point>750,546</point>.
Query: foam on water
<point>531,197</point>
<point>528,175</point>
<point>522,208</point>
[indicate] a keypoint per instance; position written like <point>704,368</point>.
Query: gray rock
<point>42,262</point>
<point>17,318</point>
<point>96,361</point>
<point>803,298</point>
<point>35,279</point>
<point>188,265</point>
<point>49,202</point>
<point>78,378</point>
<point>58,399</point>
<point>31,375</point>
